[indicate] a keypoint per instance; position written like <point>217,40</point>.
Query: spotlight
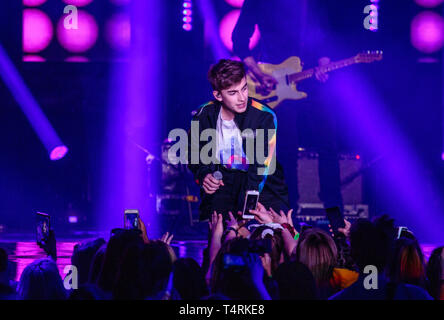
<point>58,153</point>
<point>187,15</point>
<point>73,219</point>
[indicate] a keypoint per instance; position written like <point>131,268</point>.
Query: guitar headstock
<point>368,57</point>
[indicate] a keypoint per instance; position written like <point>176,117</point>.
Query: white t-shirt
<point>229,144</point>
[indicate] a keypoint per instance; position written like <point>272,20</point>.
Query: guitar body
<point>284,90</point>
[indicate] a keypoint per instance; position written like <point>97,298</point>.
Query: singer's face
<point>234,98</point>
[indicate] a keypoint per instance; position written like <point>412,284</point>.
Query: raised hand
<point>211,184</point>
<point>261,214</point>
<point>216,226</point>
<point>282,218</point>
<point>167,238</point>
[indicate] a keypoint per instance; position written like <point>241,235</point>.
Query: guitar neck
<point>295,77</point>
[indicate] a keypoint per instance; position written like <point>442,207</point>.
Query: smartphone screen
<point>131,219</point>
<point>334,215</point>
<point>230,260</point>
<point>250,204</point>
<point>42,224</point>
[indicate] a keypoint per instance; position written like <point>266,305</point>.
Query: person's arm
<point>216,230</point>
<point>289,242</point>
<point>244,28</point>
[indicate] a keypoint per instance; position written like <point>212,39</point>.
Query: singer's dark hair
<point>226,73</point>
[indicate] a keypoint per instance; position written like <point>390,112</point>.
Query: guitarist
<point>294,28</point>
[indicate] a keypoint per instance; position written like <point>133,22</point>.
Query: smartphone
<point>131,219</point>
<point>334,215</point>
<point>42,223</point>
<point>231,260</point>
<point>404,232</point>
<point>251,199</point>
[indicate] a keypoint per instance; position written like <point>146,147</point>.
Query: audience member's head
<point>232,274</point>
<point>157,265</point>
<point>82,258</point>
<point>115,251</point>
<point>4,277</point>
<point>41,280</point>
<point>128,284</point>
<point>295,282</point>
<point>317,250</point>
<point>370,245</point>
<point>435,272</point>
<point>277,253</point>
<point>407,263</point>
<point>96,265</point>
<point>189,280</point>
<point>86,292</point>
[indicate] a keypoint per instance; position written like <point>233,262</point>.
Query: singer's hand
<point>211,184</point>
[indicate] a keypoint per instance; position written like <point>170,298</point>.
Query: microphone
<point>217,175</point>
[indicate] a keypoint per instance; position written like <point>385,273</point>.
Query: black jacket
<point>257,116</point>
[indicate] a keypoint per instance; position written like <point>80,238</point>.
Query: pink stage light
<point>427,32</point>
<point>187,27</point>
<point>33,3</point>
<point>81,39</point>
<point>226,28</point>
<point>77,59</point>
<point>58,153</point>
<point>73,219</point>
<point>429,3</point>
<point>78,3</point>
<point>37,30</point>
<point>118,31</point>
<point>33,58</point>
<point>235,3</point>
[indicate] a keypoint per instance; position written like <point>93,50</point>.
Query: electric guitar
<point>289,73</point>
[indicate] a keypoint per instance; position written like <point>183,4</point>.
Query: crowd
<point>268,260</point>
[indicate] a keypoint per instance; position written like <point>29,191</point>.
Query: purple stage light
<point>37,30</point>
<point>78,3</point>
<point>235,3</point>
<point>58,153</point>
<point>134,118</point>
<point>78,59</point>
<point>73,219</point>
<point>33,58</point>
<point>118,31</point>
<point>226,28</point>
<point>187,27</point>
<point>211,35</point>
<point>30,107</point>
<point>427,32</point>
<point>429,3</point>
<point>81,39</point>
<point>33,3</point>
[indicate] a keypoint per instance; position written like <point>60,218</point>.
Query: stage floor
<point>24,250</point>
